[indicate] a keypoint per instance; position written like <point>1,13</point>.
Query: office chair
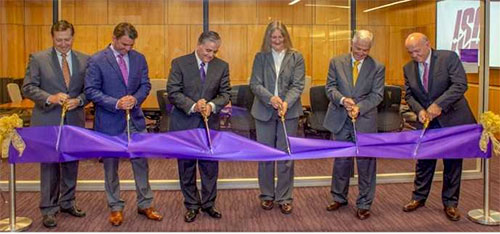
<point>319,106</point>
<point>389,118</point>
<point>241,104</point>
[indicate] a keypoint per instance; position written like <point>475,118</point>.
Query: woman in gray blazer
<point>277,82</point>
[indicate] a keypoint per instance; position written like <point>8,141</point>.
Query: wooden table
<point>25,104</point>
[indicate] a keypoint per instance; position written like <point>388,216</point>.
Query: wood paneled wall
<point>169,28</point>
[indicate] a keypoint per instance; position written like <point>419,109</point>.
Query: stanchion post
<point>14,223</point>
<point>485,216</point>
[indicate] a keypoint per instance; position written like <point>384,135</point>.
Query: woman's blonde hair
<point>273,26</point>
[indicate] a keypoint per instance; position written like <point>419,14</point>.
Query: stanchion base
<point>22,223</point>
<point>477,216</point>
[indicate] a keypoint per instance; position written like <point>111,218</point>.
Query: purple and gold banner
<point>81,144</point>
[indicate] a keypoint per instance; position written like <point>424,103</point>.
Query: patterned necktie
<point>202,72</point>
<point>123,68</point>
<point>425,77</point>
<point>355,72</point>
<point>65,69</point>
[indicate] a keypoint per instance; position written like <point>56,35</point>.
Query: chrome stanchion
<point>14,223</point>
<point>485,216</point>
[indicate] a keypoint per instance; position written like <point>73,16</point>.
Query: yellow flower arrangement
<point>491,126</point>
<point>9,134</point>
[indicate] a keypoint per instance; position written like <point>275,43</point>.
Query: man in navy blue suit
<point>117,80</point>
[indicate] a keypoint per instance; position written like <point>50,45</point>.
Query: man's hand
<point>434,111</point>
<point>127,102</point>
<point>353,114</point>
<point>282,109</point>
<point>276,102</point>
<point>422,116</point>
<point>207,110</point>
<point>348,104</point>
<point>200,105</point>
<point>72,103</point>
<point>58,98</point>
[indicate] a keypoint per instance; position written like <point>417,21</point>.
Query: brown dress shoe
<point>116,218</point>
<point>150,213</point>
<point>286,208</point>
<point>413,205</point>
<point>452,213</point>
<point>267,204</point>
<point>335,206</point>
<point>363,214</point>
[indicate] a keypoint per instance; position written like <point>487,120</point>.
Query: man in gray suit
<point>355,87</point>
<point>435,83</point>
<point>55,77</point>
<point>198,85</point>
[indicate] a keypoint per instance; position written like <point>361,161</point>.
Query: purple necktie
<point>123,68</point>
<point>425,78</point>
<point>202,72</point>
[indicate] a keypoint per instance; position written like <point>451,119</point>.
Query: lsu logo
<point>466,35</point>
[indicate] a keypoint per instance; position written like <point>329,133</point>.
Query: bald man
<point>355,87</point>
<point>435,83</point>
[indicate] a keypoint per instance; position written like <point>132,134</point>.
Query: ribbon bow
<point>9,134</point>
<point>491,126</point>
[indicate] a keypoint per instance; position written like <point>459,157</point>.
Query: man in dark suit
<point>435,83</point>
<point>55,77</point>
<point>117,80</point>
<point>198,85</point>
<point>355,86</point>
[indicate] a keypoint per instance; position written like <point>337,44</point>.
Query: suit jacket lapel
<point>285,61</point>
<point>270,60</point>
<point>112,61</point>
<point>432,70</point>
<point>193,64</point>
<point>347,64</point>
<point>56,67</point>
<point>75,64</point>
<point>132,61</point>
<point>366,66</point>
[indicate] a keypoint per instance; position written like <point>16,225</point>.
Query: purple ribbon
<point>80,144</point>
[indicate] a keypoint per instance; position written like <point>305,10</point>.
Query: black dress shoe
<point>363,214</point>
<point>190,215</point>
<point>267,204</point>
<point>452,213</point>
<point>413,205</point>
<point>75,211</point>
<point>214,213</point>
<point>335,206</point>
<point>49,221</point>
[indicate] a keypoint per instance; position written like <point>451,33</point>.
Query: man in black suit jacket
<point>198,84</point>
<point>435,83</point>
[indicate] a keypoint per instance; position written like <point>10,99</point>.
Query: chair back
<point>389,118</point>
<point>305,97</point>
<point>157,84</point>
<point>14,92</point>
<point>241,102</point>
<point>165,108</point>
<point>319,106</point>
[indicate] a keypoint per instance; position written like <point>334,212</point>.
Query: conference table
<point>25,104</point>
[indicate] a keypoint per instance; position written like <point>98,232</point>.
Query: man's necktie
<point>355,72</point>
<point>123,68</point>
<point>425,77</point>
<point>202,72</point>
<point>65,70</point>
